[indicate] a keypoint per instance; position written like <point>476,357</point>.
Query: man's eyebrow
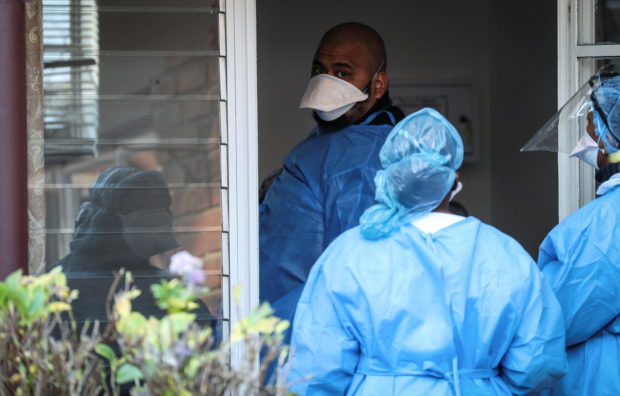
<point>342,64</point>
<point>337,64</point>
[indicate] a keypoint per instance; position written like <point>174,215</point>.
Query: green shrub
<point>44,353</point>
<point>41,352</point>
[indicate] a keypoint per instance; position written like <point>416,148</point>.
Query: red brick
<point>164,84</point>
<point>192,77</point>
<point>193,201</point>
<point>208,218</point>
<point>213,263</point>
<point>215,196</point>
<point>203,243</point>
<point>192,110</point>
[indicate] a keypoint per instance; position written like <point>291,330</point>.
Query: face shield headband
<point>601,126</point>
<point>577,108</point>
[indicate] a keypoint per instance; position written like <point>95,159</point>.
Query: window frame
<point>576,24</point>
<point>239,149</point>
<point>242,178</point>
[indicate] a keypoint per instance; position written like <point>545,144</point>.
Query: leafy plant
<point>43,353</point>
<point>175,356</point>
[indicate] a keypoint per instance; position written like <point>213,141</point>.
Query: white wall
<point>506,48</point>
<point>523,82</point>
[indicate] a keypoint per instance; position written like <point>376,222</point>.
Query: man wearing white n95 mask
<point>327,180</point>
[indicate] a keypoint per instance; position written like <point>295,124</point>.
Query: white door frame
<point>242,139</point>
<point>576,25</point>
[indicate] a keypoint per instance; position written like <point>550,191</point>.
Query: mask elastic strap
<point>598,143</point>
<point>367,89</point>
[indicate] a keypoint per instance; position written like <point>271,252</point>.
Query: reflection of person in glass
<point>125,222</point>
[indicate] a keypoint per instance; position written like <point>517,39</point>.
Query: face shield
<point>601,96</point>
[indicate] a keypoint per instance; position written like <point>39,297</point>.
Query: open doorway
<point>504,55</point>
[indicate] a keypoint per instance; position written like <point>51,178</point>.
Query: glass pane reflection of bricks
<point>135,84</point>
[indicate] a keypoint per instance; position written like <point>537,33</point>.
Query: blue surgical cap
<point>606,112</point>
<point>419,158</point>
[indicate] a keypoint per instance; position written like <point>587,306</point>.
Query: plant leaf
<point>178,321</point>
<point>127,373</point>
<point>282,326</point>
<point>123,306</point>
<point>59,306</point>
<point>106,352</point>
<point>12,281</point>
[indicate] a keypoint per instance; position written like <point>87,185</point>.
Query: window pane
<point>603,25</point>
<point>131,145</point>
<point>194,207</point>
<point>212,5</point>
<point>598,63</point>
<point>93,285</point>
<point>179,163</point>
<point>147,27</point>
<point>192,120</point>
<point>144,72</point>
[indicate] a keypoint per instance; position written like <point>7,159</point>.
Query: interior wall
<point>427,41</point>
<point>523,83</point>
<point>506,49</point>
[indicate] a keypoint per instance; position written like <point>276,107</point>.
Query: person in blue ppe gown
<point>581,259</point>
<point>327,180</point>
<point>419,301</point>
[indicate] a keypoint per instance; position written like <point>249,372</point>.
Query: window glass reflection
<point>131,146</point>
<point>607,21</point>
<point>126,223</point>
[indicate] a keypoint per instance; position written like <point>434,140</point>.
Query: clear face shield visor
<point>596,96</point>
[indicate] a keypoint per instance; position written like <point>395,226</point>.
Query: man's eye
<point>318,70</point>
<point>341,74</point>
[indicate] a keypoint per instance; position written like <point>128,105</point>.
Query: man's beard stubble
<point>354,115</point>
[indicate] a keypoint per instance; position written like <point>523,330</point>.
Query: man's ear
<point>380,85</point>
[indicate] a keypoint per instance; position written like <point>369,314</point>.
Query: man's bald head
<point>355,53</point>
<point>355,33</point>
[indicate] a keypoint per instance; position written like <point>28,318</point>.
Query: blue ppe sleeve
<point>584,279</point>
<point>291,237</point>
<point>284,308</point>
<point>323,345</point>
<point>536,357</point>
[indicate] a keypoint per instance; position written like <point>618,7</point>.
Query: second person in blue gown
<point>419,301</point>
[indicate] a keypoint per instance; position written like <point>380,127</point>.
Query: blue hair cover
<point>606,111</point>
<point>419,159</point>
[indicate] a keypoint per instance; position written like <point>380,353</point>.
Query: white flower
<point>184,263</point>
<point>196,278</point>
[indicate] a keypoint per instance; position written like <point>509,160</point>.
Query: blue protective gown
<point>463,311</point>
<point>326,184</point>
<point>581,259</point>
